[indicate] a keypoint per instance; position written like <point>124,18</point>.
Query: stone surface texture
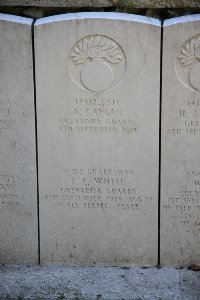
<point>105,3</point>
<point>180,157</point>
<point>18,189</point>
<point>97,138</point>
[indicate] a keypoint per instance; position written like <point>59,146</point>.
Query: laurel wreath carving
<point>96,47</point>
<point>190,52</point>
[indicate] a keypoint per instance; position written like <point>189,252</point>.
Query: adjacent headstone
<point>97,77</point>
<point>180,168</point>
<point>18,189</point>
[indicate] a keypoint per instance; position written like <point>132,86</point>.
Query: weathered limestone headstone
<point>97,78</point>
<point>18,189</point>
<point>180,181</point>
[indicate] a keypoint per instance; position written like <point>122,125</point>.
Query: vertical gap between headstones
<point>36,139</point>
<point>159,176</point>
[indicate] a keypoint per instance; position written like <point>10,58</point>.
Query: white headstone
<point>180,180</point>
<point>97,80</point>
<point>18,189</point>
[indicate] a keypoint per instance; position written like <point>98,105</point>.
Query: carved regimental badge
<point>189,59</point>
<point>97,63</point>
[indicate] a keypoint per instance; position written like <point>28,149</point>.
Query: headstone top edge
<point>15,19</point>
<point>183,19</point>
<point>99,15</point>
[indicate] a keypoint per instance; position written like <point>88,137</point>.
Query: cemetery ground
<point>103,283</point>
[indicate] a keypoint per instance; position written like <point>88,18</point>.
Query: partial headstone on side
<point>97,77</point>
<point>180,157</point>
<point>18,188</point>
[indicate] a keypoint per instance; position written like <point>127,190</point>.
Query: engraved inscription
<point>9,197</point>
<point>98,189</point>
<point>187,119</point>
<point>97,63</point>
<point>97,116</point>
<point>185,205</point>
<point>6,109</point>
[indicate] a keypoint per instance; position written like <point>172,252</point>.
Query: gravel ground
<point>98,283</point>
